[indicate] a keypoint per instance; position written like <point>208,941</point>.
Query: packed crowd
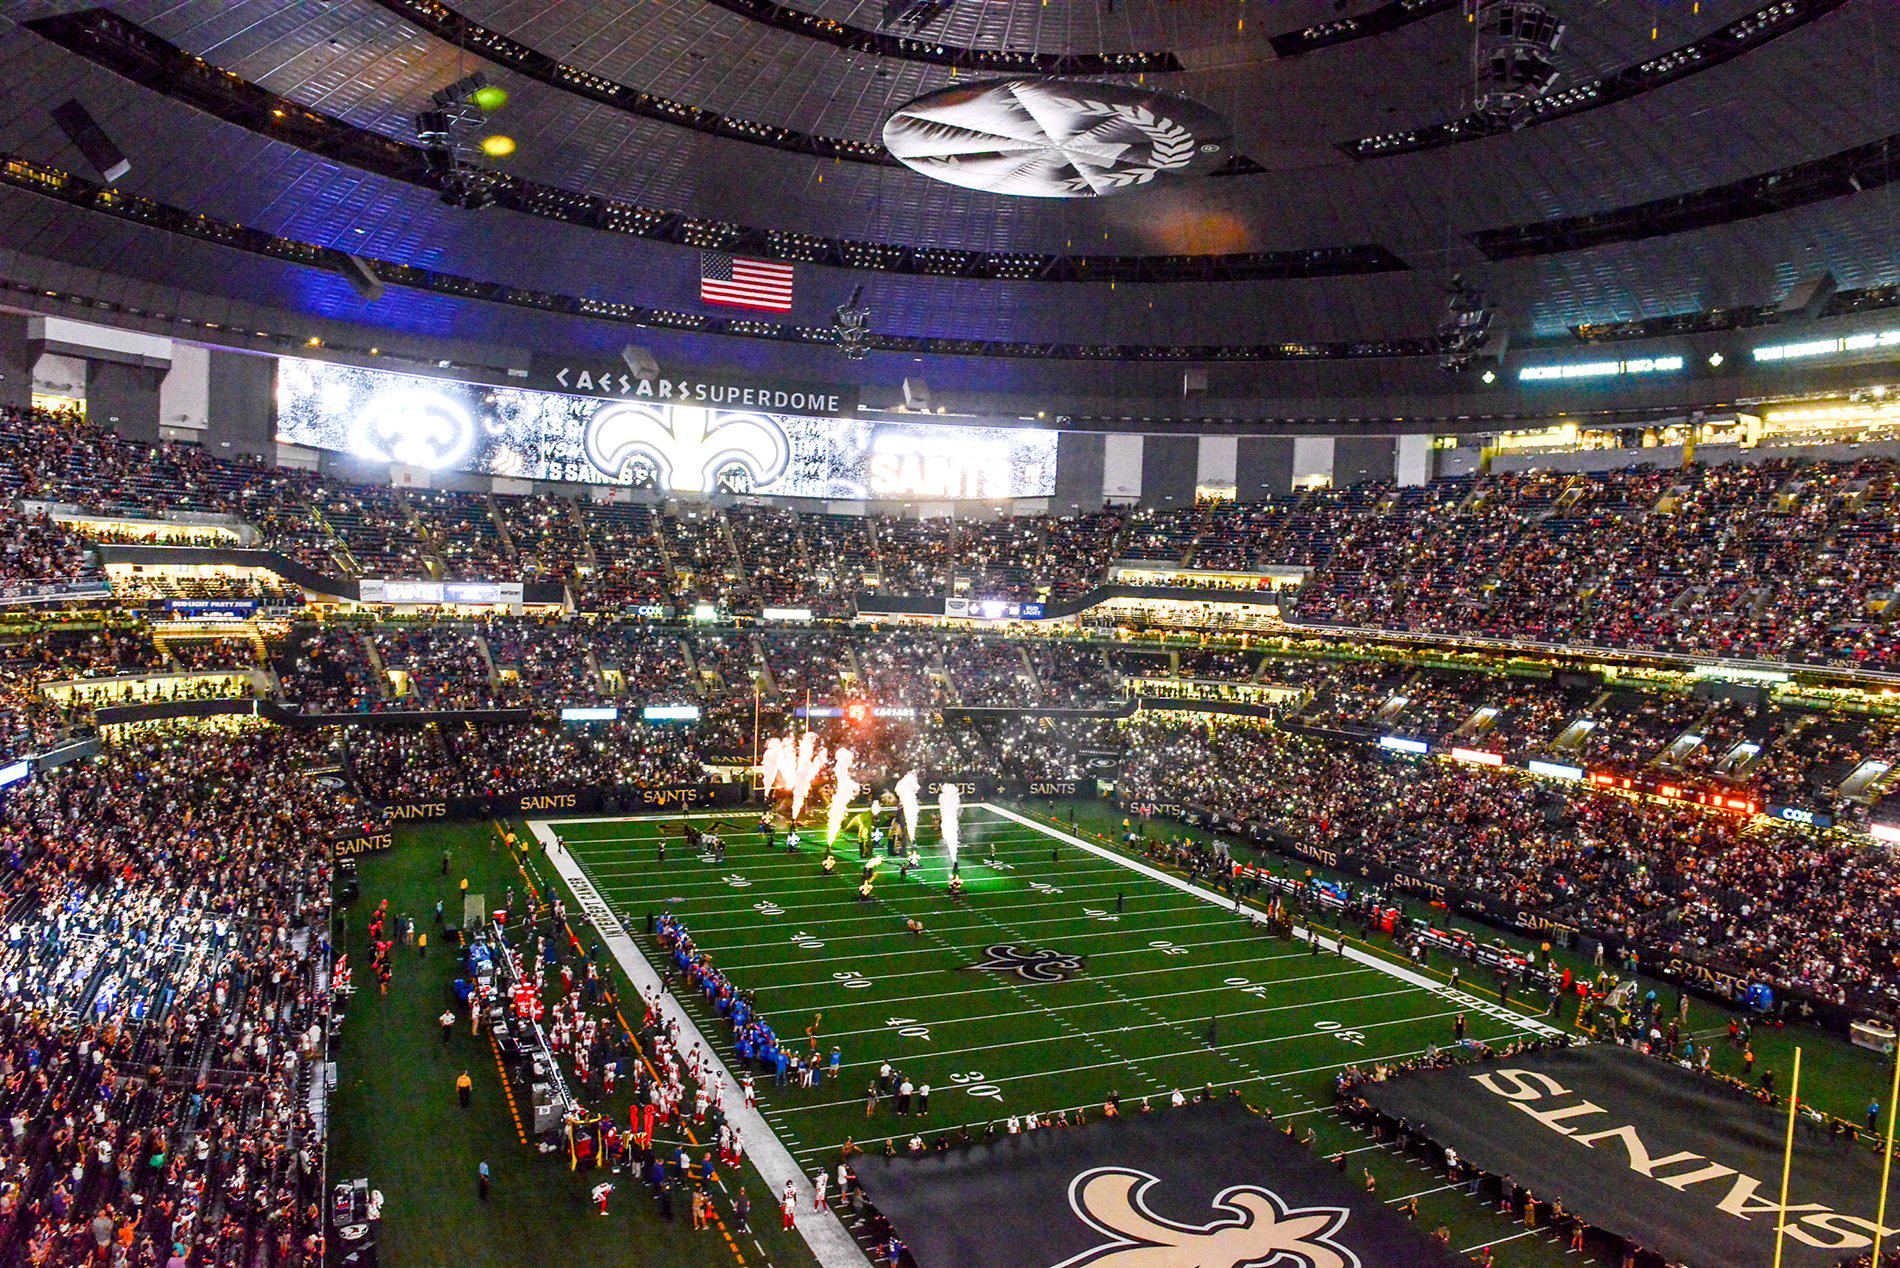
<point>1817,913</point>
<point>165,1005</point>
<point>1780,559</point>
<point>1742,743</point>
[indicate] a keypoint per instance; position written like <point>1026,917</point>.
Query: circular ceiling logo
<point>1054,138</point>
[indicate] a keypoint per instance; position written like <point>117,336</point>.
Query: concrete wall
<point>1121,468</point>
<point>1263,467</point>
<point>1363,459</point>
<point>242,406</point>
<point>184,395</point>
<point>124,398</point>
<point>1078,472</point>
<point>1312,459</point>
<point>1168,468</point>
<point>16,362</point>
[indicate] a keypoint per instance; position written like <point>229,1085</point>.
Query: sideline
<point>1470,1003</point>
<point>830,1243</point>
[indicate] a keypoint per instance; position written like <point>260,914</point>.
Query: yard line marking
<point>1196,1051</point>
<point>1318,1069</point>
<point>1497,1241</point>
<point>908,1000</point>
<point>1118,1030</point>
<point>1468,1002</point>
<point>747,915</point>
<point>1407,1197</point>
<point>935,892</point>
<point>888,935</point>
<point>804,863</point>
<point>1092,977</point>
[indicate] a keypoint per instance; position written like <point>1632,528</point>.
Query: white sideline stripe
<point>1466,1001</point>
<point>830,1243</point>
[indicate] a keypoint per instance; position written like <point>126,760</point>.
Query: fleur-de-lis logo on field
<point>1257,1231</point>
<point>1035,966</point>
<point>687,445</point>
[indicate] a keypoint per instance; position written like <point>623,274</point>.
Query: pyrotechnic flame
<point>811,764</point>
<point>907,798</point>
<point>949,800</point>
<point>775,767</point>
<point>843,789</point>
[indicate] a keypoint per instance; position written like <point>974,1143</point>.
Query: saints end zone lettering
<point>419,810</point>
<point>1730,1191</point>
<point>548,801</point>
<point>362,843</point>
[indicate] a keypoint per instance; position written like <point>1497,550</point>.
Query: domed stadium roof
<point>1688,158</point>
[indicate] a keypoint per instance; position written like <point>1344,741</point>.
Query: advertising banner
<point>610,378</point>
<point>26,593</point>
<point>555,801</point>
<point>211,609</point>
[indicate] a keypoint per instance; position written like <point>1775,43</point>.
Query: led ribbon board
<point>442,424</point>
<point>1870,341</point>
<point>1598,369</point>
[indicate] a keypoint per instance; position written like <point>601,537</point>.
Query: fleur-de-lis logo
<point>1036,966</point>
<point>412,426</point>
<point>1257,1231</point>
<point>687,445</point>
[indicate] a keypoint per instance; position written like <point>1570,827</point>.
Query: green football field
<point>1170,990</point>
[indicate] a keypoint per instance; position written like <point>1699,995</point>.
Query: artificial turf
<point>394,1117</point>
<point>1173,992</point>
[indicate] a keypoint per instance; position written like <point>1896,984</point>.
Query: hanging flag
<point>741,283</point>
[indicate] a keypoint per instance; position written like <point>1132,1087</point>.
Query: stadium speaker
<point>91,139</point>
<point>1193,380</point>
<point>640,362</point>
<point>361,277</point>
<point>916,394</point>
<point>1809,296</point>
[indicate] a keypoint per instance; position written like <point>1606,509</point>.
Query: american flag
<point>743,283</point>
